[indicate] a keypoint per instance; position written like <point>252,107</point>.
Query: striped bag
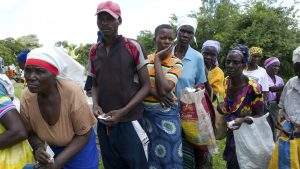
<point>286,154</point>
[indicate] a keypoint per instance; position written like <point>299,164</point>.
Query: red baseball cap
<point>110,7</point>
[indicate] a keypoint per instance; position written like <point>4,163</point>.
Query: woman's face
<point>38,79</point>
<point>273,68</point>
<point>185,34</point>
<point>164,39</point>
<point>210,54</point>
<point>255,59</point>
<point>297,69</point>
<point>234,65</point>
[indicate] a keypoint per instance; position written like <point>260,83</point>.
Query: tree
<point>29,41</point>
<point>9,49</point>
<point>146,39</point>
<point>82,53</point>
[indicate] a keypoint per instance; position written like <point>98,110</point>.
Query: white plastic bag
<point>142,135</point>
<point>254,144</point>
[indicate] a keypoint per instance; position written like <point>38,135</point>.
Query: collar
<point>187,55</point>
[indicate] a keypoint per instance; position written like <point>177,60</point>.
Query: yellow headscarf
<point>256,51</point>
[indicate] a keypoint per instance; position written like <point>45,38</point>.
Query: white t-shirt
<point>260,76</point>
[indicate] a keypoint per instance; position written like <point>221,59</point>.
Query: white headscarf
<point>296,55</point>
<point>67,67</point>
<point>183,20</point>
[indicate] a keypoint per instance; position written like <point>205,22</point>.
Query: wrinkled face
<point>255,59</point>
<point>234,65</point>
<point>297,69</point>
<point>38,79</point>
<point>210,54</point>
<point>164,39</point>
<point>107,24</point>
<point>273,68</point>
<point>185,34</point>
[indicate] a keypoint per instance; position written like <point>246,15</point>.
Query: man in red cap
<point>120,82</point>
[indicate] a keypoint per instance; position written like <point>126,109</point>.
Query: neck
<point>180,50</point>
<point>252,67</point>
<point>53,90</point>
<point>271,74</point>
<point>108,40</point>
<point>238,80</point>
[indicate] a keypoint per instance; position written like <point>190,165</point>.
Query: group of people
<point>127,86</point>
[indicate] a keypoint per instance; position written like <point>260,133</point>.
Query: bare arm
<point>97,110</point>
<point>15,129</point>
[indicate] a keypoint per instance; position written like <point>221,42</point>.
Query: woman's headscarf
<point>257,51</point>
<point>57,61</point>
<point>215,44</point>
<point>183,20</point>
<point>296,55</point>
<point>22,56</point>
<point>270,61</point>
<point>244,51</point>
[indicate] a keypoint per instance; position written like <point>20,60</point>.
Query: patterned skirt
<point>164,131</point>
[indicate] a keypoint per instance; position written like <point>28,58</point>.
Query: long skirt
<point>164,131</point>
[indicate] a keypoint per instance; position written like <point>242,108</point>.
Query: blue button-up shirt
<point>193,70</point>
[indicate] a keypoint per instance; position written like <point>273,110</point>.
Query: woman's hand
<point>42,156</point>
<point>239,121</point>
<point>221,108</point>
<point>166,101</point>
<point>280,119</point>
<point>53,165</point>
<point>164,53</point>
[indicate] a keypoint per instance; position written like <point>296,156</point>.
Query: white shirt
<point>260,76</point>
<point>290,99</point>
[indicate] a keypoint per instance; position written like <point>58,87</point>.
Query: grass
<point>18,89</point>
<point>218,162</point>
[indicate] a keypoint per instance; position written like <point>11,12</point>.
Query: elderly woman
<point>290,99</point>
<point>243,98</point>
<point>193,73</point>
<point>276,85</point>
<point>12,135</point>
<point>55,112</point>
<point>210,51</point>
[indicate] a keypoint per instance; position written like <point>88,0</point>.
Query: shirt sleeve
<point>200,76</point>
<point>174,72</point>
<point>265,83</point>
<point>258,98</point>
<point>5,104</point>
<point>283,94</point>
<point>81,116</point>
<point>91,67</point>
<point>142,59</point>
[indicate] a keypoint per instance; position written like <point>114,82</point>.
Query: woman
<point>161,112</point>
<point>243,98</point>
<point>256,72</point>
<point>12,135</point>
<point>55,112</point>
<point>210,51</point>
<point>193,73</point>
<point>290,99</point>
<point>276,85</point>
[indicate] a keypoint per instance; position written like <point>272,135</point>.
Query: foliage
<point>82,53</point>
<point>254,23</point>
<point>9,48</point>
<point>146,39</point>
<point>30,41</point>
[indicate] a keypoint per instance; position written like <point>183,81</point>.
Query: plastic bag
<point>195,121</point>
<point>254,144</point>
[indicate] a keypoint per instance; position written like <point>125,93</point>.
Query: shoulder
<point>255,86</point>
<point>261,70</point>
<point>293,81</point>
<point>68,86</point>
<point>27,95</point>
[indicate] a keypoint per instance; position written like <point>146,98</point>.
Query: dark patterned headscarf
<point>244,51</point>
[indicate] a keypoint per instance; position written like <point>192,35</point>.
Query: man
<point>115,64</point>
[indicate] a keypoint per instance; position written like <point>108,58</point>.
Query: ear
<point>120,20</point>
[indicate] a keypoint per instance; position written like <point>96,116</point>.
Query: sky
<point>75,20</point>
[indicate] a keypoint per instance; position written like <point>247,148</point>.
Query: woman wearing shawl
<point>12,135</point>
<point>161,113</point>
<point>193,73</point>
<point>55,111</point>
<point>276,85</point>
<point>243,98</point>
<point>210,51</point>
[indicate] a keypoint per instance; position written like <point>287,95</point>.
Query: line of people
<point>128,86</point>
